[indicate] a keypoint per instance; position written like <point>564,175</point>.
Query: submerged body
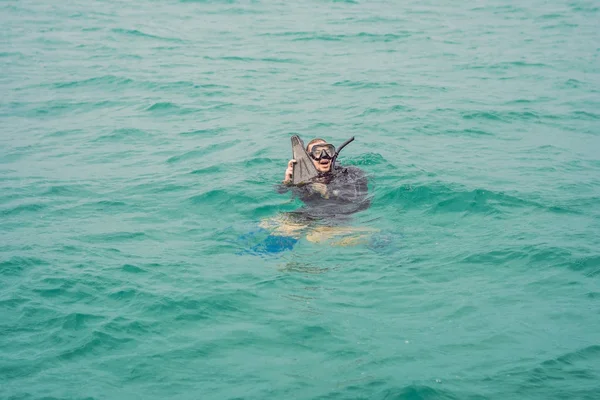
<point>331,198</point>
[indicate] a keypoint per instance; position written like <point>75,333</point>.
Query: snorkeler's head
<point>321,153</point>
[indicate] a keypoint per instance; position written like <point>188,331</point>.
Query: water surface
<point>139,146</point>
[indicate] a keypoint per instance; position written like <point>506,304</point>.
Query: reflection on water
<point>303,267</point>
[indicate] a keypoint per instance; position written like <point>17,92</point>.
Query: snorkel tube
<point>337,153</point>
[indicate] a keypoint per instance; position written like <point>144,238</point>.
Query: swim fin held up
<point>304,170</point>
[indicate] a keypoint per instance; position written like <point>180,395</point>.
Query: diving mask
<point>320,151</point>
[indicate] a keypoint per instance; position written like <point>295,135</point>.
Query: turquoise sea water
<point>139,145</point>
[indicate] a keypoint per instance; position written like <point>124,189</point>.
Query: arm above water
<point>286,184</point>
<point>287,179</point>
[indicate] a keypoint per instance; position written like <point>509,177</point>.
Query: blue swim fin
<point>267,242</point>
<point>275,244</point>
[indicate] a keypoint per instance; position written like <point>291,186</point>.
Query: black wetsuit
<point>345,192</point>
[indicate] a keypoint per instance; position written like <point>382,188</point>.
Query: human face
<point>324,164</point>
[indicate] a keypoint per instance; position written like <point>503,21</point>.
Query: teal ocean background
<point>140,142</point>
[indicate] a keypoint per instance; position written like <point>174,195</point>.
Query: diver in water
<point>330,196</point>
<point>336,191</point>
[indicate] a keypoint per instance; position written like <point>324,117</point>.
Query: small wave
<point>67,249</point>
<point>393,109</point>
<point>506,116</point>
<point>577,368</point>
<point>240,11</point>
<point>103,204</point>
<point>586,354</point>
<point>505,9</point>
<point>169,188</point>
<point>366,159</point>
<point>197,154</point>
<point>80,321</point>
<point>16,265</point>
<point>221,198</point>
<point>211,88</point>
<point>520,102</point>
<point>171,108</point>
<point>65,132</point>
<point>380,389</point>
<point>491,116</point>
<point>320,37</point>
<point>366,85</point>
<point>204,132</point>
<point>266,59</point>
<point>23,209</point>
<point>57,108</point>
<point>362,36</point>
<point>132,269</point>
<point>561,26</point>
<point>124,135</point>
<point>475,201</point>
<point>114,237</point>
<point>551,16</point>
<point>510,64</point>
<point>18,370</point>
<point>496,257</point>
<point>423,392</point>
<point>190,155</point>
<point>304,268</point>
<point>53,288</point>
<point>307,333</point>
<point>209,1</point>
<point>123,294</point>
<point>97,81</point>
<point>372,19</point>
<point>15,54</point>
<point>257,162</point>
<point>67,190</point>
<point>211,306</point>
<point>6,172</point>
<point>504,65</point>
<point>589,265</point>
<point>99,342</point>
<point>584,8</point>
<point>137,33</point>
<point>13,303</point>
<point>208,170</point>
<point>549,256</point>
<point>11,157</point>
<point>129,56</point>
<point>48,41</point>
<point>572,83</point>
<point>586,115</point>
<point>442,198</point>
<point>383,37</point>
<point>286,33</point>
<point>218,200</point>
<point>127,327</point>
<point>469,132</point>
